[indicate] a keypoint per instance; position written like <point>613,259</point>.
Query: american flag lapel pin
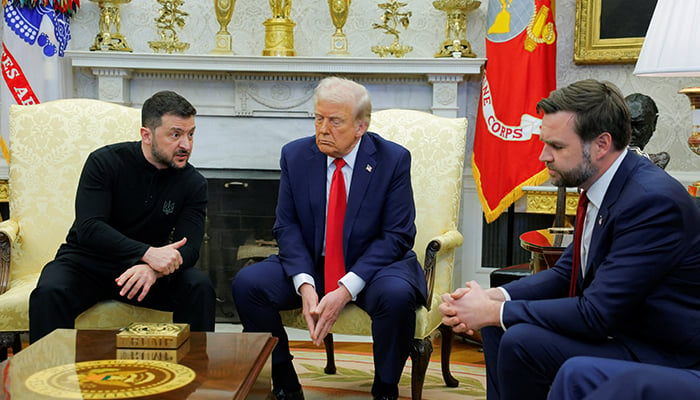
<point>368,168</point>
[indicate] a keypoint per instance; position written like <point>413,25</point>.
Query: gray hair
<point>342,91</point>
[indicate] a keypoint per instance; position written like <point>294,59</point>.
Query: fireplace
<point>249,106</point>
<point>238,232</point>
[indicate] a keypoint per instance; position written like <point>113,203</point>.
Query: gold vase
<point>109,38</point>
<point>456,44</point>
<point>223,40</point>
<point>339,15</point>
<point>279,30</point>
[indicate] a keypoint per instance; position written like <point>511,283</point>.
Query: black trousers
<point>67,287</point>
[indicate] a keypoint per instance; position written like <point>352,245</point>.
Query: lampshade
<point>672,43</point>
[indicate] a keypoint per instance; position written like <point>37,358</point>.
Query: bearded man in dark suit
<point>633,292</point>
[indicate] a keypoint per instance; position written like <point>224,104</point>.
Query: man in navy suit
<point>594,378</point>
<point>633,295</point>
<point>381,273</point>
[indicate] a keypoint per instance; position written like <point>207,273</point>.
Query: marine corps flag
<point>520,71</point>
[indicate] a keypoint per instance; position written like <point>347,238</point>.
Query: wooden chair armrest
<point>9,229</point>
<point>447,241</point>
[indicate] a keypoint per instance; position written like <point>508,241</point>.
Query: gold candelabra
<point>339,15</point>
<point>109,38</point>
<point>170,17</point>
<point>223,40</point>
<point>279,30</point>
<point>392,18</point>
<point>456,44</point>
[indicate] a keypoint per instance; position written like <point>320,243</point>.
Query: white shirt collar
<point>597,191</point>
<point>349,158</point>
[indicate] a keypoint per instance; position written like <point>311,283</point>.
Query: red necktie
<point>578,233</point>
<point>335,263</point>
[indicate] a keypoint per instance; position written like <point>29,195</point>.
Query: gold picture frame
<point>591,48</point>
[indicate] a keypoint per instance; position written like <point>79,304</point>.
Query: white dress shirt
<point>352,282</point>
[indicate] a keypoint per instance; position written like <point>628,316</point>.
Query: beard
<point>577,176</point>
<point>165,159</point>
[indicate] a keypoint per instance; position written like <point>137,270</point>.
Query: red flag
<point>520,70</point>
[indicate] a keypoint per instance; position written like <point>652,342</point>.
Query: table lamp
<point>672,49</point>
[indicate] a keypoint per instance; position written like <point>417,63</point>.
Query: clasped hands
<point>321,315</point>
<point>157,262</point>
<point>471,308</point>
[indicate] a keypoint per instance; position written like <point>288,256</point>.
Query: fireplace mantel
<point>249,106</point>
<point>116,72</point>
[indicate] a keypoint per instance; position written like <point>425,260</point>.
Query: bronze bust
<point>644,115</point>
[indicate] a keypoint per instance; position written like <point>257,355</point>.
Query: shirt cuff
<point>300,279</point>
<point>507,298</point>
<point>353,283</point>
<point>505,293</point>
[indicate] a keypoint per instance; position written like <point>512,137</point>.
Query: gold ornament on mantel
<point>391,19</point>
<point>456,44</point>
<point>170,17</point>
<point>110,38</point>
<point>279,30</point>
<point>223,40</point>
<point>339,14</point>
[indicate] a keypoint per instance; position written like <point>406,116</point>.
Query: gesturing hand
<point>166,259</point>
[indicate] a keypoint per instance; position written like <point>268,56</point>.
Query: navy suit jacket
<point>379,229</point>
<point>642,284</point>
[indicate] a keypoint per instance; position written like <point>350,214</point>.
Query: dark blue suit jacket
<point>642,284</point>
<point>379,228</point>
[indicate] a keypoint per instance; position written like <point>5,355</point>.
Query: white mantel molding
<point>114,71</point>
<point>321,65</point>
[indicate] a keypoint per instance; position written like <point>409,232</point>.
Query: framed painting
<point>610,31</point>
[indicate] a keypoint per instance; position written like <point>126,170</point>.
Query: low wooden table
<point>227,365</point>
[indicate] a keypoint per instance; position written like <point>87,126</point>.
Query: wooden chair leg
<point>445,352</point>
<point>330,355</point>
<point>421,350</point>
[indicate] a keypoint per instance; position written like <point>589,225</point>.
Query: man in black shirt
<point>138,228</point>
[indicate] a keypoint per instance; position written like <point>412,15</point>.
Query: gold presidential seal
<point>110,379</point>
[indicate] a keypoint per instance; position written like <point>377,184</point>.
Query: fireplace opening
<point>238,232</point>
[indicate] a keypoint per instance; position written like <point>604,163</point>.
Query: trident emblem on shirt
<point>168,207</point>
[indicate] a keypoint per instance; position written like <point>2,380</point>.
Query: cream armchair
<point>49,143</point>
<point>437,148</point>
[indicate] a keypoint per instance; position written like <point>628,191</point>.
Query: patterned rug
<point>353,379</point>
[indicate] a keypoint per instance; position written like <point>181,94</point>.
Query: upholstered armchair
<point>437,148</point>
<point>49,143</point>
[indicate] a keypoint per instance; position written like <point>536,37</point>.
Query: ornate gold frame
<point>589,48</point>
